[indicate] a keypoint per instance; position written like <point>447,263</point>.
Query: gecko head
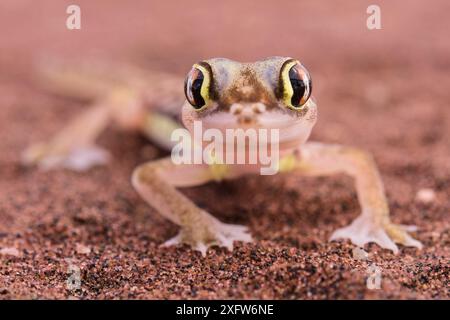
<point>274,93</point>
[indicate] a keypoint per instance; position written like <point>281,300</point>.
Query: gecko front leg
<point>156,182</point>
<point>374,224</point>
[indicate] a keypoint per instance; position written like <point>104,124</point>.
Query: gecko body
<point>274,93</point>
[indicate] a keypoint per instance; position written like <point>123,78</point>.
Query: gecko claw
<point>224,235</point>
<point>363,230</point>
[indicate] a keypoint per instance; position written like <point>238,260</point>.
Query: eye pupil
<point>299,86</point>
<point>197,86</point>
<point>196,92</point>
<point>193,88</point>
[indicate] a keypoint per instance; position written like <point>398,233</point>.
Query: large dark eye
<point>296,84</point>
<point>196,86</point>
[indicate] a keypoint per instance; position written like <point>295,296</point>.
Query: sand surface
<point>384,90</point>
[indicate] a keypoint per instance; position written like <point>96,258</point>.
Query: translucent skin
<point>244,95</point>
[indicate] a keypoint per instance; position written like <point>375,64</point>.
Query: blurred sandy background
<point>384,90</point>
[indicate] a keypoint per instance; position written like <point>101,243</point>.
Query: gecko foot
<point>364,230</point>
<point>78,159</point>
<point>218,234</point>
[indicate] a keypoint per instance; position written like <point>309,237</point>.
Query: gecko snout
<point>247,113</point>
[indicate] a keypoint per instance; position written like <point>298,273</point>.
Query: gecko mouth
<point>291,130</point>
<point>226,120</point>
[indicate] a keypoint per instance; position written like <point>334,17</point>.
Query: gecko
<point>219,93</point>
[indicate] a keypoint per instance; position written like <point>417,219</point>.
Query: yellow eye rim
<point>204,91</point>
<point>288,91</point>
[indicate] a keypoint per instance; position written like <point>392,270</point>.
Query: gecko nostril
<point>259,107</point>
<point>236,108</point>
